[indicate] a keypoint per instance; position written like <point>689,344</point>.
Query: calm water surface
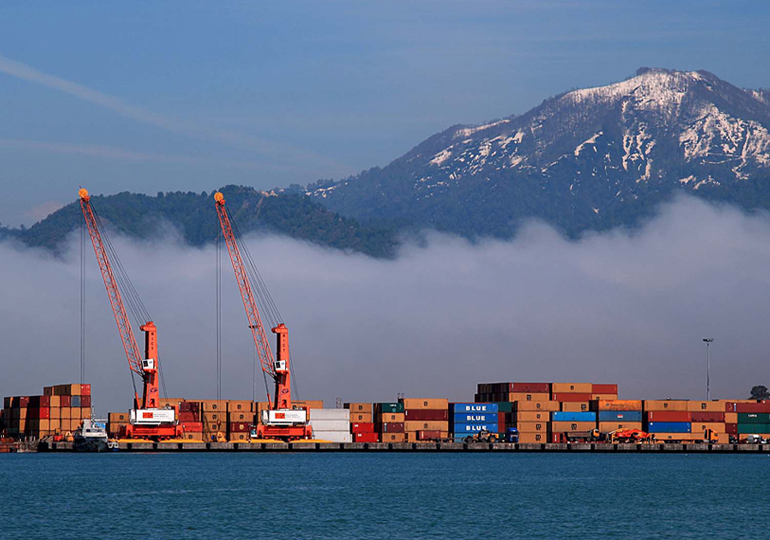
<point>298,496</point>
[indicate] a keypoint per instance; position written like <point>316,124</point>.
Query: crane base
<point>153,433</point>
<point>284,433</point>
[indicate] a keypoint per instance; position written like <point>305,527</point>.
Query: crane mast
<point>146,409</point>
<point>288,421</point>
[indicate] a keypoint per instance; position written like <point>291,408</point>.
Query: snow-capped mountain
<point>586,159</point>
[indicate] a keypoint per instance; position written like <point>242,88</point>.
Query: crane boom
<point>278,369</point>
<point>145,367</point>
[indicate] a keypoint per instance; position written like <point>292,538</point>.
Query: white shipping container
<point>330,425</point>
<point>330,414</point>
<point>333,436</point>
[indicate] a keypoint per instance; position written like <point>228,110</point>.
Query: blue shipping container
<point>75,401</point>
<point>620,416</point>
<point>471,418</point>
<point>474,428</point>
<point>669,427</point>
<point>474,407</point>
<point>573,416</point>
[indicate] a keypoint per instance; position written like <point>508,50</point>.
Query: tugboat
<point>91,436</point>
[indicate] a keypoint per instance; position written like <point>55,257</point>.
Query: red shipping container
<point>669,416</point>
<point>731,429</point>
<point>190,406</point>
<point>85,389</point>
<point>706,416</point>
<point>366,437</point>
<point>192,427</point>
<point>428,435</point>
<point>40,401</point>
<point>392,427</point>
<point>188,417</point>
<point>239,427</point>
<point>604,388</point>
<point>42,413</point>
<point>85,401</point>
<point>65,401</point>
<point>567,396</point>
<point>22,402</point>
<point>362,427</point>
<point>531,388</point>
<point>762,407</point>
<point>426,414</point>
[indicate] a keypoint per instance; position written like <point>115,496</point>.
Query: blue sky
<point>164,96</point>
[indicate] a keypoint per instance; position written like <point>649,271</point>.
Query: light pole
<point>709,341</point>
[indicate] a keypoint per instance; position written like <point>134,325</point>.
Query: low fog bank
<point>613,307</point>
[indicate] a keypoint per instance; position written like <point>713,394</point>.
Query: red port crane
<point>282,420</point>
<point>147,418</point>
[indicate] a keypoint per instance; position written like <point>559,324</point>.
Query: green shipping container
<point>504,406</point>
<point>747,429</point>
<point>390,407</point>
<point>754,418</point>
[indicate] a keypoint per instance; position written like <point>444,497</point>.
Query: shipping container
<point>362,427</point>
<point>333,436</point>
<point>533,416</point>
<point>392,437</point>
<point>329,414</point>
<point>604,389</point>
<point>668,416</point>
<point>85,389</point>
<point>367,437</point>
<point>531,396</point>
<point>360,417</point>
<point>505,406</point>
<point>530,388</point>
<point>426,426</point>
<point>730,428</point>
<point>607,427</point>
<point>431,435</point>
<point>65,401</point>
<point>214,405</point>
<point>474,428</point>
<point>235,416</point>
<point>457,408</point>
<point>240,406</point>
<point>669,427</point>
<point>75,402</point>
<point>754,418</point>
<point>54,401</point>
<point>575,406</point>
<point>575,396</point>
<point>731,418</point>
<point>709,416</point>
<point>239,427</point>
<point>572,388</point>
<point>192,417</point>
<point>475,418</point>
<point>421,403</point>
<point>239,436</point>
<point>195,427</point>
<point>389,407</point>
<point>620,416</point>
<point>85,401</point>
<point>391,427</point>
<point>426,414</point>
<point>701,427</point>
<point>533,427</point>
<point>537,406</point>
<point>330,425</point>
<point>755,407</point>
<point>677,437</point>
<point>664,405</point>
<point>533,438</point>
<point>359,407</point>
<point>565,426</point>
<point>383,418</point>
<point>605,397</point>
<point>706,406</point>
<point>573,417</point>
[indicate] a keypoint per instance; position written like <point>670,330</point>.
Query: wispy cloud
<point>266,148</point>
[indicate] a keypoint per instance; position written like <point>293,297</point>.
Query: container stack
<point>240,419</point>
<point>116,422</point>
<point>563,422</point>
<point>617,415</point>
<point>574,397</point>
<point>60,409</point>
<point>425,419</point>
<point>189,416</point>
<point>709,416</point>
<point>669,420</point>
<point>752,418</point>
<point>468,419</point>
<point>389,421</point>
<point>533,407</point>
<point>362,422</point>
<point>331,425</point>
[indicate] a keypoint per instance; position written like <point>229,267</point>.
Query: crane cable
<point>82,300</point>
<point>219,315</point>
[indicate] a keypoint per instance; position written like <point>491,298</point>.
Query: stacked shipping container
<point>389,419</point>
<point>362,422</point>
<point>468,419</point>
<point>60,409</point>
<point>425,419</point>
<point>331,424</point>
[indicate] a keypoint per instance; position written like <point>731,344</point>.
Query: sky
<point>615,307</point>
<point>164,96</point>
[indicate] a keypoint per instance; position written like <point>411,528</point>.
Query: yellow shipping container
<point>422,403</point>
<point>619,405</point>
<point>576,388</point>
<point>560,427</point>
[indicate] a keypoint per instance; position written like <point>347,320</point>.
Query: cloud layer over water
<point>613,307</point>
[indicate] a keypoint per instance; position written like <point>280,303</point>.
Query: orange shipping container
<point>390,418</point>
<point>731,418</point>
<point>238,436</point>
<point>619,405</point>
<point>576,388</point>
<point>359,407</point>
<point>533,416</point>
<point>54,413</point>
<point>421,403</point>
<point>523,396</point>
<point>575,406</point>
<point>701,427</point>
<point>532,438</point>
<point>665,405</point>
<point>360,417</point>
<point>240,406</point>
<point>392,437</point>
<point>537,406</point>
<point>663,437</point>
<point>533,427</point>
<point>240,416</point>
<point>607,427</point>
<point>55,401</point>
<point>413,436</point>
<point>118,417</point>
<point>213,405</point>
<point>560,427</point>
<point>54,424</point>
<point>612,397</point>
<point>425,426</point>
<point>709,406</point>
